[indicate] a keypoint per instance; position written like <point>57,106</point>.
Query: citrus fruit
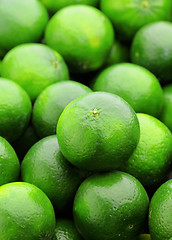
<point>152,52</point>
<point>145,237</point>
<point>25,142</point>
<point>66,230</point>
<point>9,163</point>
<point>54,5</point>
<point>160,218</point>
<point>51,102</point>
<point>135,84</point>
<point>21,22</point>
<point>25,213</point>
<point>129,16</point>
<point>15,110</point>
<point>34,66</point>
<point>0,66</point>
<point>45,167</point>
<point>83,35</point>
<point>110,206</point>
<point>150,162</point>
<point>118,54</point>
<point>166,114</point>
<point>98,131</point>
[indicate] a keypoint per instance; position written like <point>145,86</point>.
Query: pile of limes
<point>85,120</point>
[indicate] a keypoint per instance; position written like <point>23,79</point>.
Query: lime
<point>152,52</point>
<point>145,237</point>
<point>160,218</point>
<point>51,102</point>
<point>34,67</point>
<point>66,230</point>
<point>135,84</point>
<point>25,213</point>
<point>21,22</point>
<point>83,35</point>
<point>150,162</point>
<point>54,5</point>
<point>45,167</point>
<point>118,54</point>
<point>15,110</point>
<point>98,131</point>
<point>129,16</point>
<point>9,163</point>
<point>25,142</point>
<point>166,114</point>
<point>110,206</point>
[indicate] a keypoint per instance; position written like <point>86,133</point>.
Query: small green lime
<point>54,5</point>
<point>15,110</point>
<point>110,206</point>
<point>98,131</point>
<point>145,237</point>
<point>25,213</point>
<point>152,52</point>
<point>135,84</point>
<point>166,114</point>
<point>34,67</point>
<point>21,22</point>
<point>9,163</point>
<point>51,103</point>
<point>150,162</point>
<point>66,230</point>
<point>45,167</point>
<point>129,16</point>
<point>160,217</point>
<point>83,35</point>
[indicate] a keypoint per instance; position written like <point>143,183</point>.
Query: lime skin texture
<point>98,131</point>
<point>25,213</point>
<point>84,45</point>
<point>51,103</point>
<point>34,66</point>
<point>160,217</point>
<point>45,167</point>
<point>129,16</point>
<point>135,84</point>
<point>15,110</point>
<point>152,52</point>
<point>110,206</point>
<point>21,22</point>
<point>9,163</point>
<point>151,160</point>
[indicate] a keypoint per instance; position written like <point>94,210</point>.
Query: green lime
<point>66,230</point>
<point>45,167</point>
<point>145,237</point>
<point>129,16</point>
<point>166,114</point>
<point>9,163</point>
<point>21,22</point>
<point>0,66</point>
<point>83,35</point>
<point>160,217</point>
<point>15,110</point>
<point>25,213</point>
<point>135,84</point>
<point>25,142</point>
<point>50,104</point>
<point>152,52</point>
<point>150,162</point>
<point>118,54</point>
<point>110,206</point>
<point>54,5</point>
<point>98,131</point>
<point>34,67</point>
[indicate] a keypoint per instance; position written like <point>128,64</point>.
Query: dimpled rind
<point>25,213</point>
<point>98,131</point>
<point>160,217</point>
<point>110,206</point>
